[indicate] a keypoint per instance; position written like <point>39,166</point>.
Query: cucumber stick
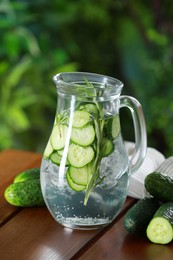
<point>160,228</point>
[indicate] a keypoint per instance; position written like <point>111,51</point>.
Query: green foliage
<point>146,52</point>
<point>130,40</point>
<point>28,101</point>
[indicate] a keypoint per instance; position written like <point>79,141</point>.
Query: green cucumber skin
<point>165,211</point>
<point>30,174</point>
<point>159,186</point>
<point>139,215</point>
<point>25,194</point>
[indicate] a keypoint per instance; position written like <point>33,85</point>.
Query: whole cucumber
<point>139,215</point>
<point>30,174</point>
<point>25,194</point>
<point>159,186</point>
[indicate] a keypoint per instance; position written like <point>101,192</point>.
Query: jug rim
<point>87,84</point>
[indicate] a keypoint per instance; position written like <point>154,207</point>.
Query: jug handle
<point>139,130</point>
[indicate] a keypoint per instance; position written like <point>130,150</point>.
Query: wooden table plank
<point>34,234</point>
<point>11,163</point>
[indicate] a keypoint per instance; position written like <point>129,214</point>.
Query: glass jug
<point>85,166</point>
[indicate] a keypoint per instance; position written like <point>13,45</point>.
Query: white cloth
<point>150,164</point>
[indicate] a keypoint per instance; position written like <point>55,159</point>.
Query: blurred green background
<point>130,40</point>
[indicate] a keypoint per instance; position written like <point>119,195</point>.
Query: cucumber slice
<point>107,147</point>
<point>73,185</point>
<point>92,109</point>
<point>60,152</point>
<point>115,126</point>
<point>112,127</point>
<point>79,175</point>
<point>58,136</point>
<point>48,150</point>
<point>79,156</point>
<point>56,158</point>
<point>80,118</point>
<point>160,228</point>
<point>83,136</point>
<point>159,231</point>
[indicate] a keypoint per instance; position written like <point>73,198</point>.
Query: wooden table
<point>32,233</point>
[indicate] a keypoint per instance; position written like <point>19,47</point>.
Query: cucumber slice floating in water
<point>79,156</point>
<point>73,185</point>
<point>92,109</point>
<point>115,126</point>
<point>58,136</point>
<point>112,127</point>
<point>48,150</point>
<point>79,175</point>
<point>83,136</point>
<point>60,152</point>
<point>80,118</point>
<point>107,146</point>
<point>56,158</point>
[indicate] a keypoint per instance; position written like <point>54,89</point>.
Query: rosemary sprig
<point>99,124</point>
